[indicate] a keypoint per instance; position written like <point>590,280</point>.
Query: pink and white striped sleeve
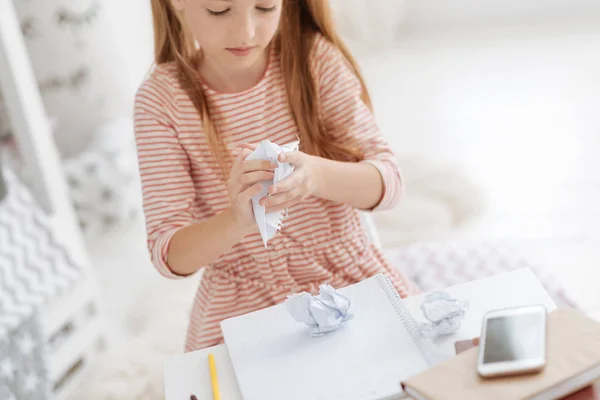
<point>167,186</point>
<point>348,119</point>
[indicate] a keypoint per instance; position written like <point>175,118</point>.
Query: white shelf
<point>82,373</point>
<point>75,348</point>
<point>33,135</point>
<point>61,309</point>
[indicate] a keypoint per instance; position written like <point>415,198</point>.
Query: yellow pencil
<point>213,377</point>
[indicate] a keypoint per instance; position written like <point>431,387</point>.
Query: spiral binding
<point>407,320</point>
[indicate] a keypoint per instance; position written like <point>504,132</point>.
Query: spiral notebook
<point>274,357</point>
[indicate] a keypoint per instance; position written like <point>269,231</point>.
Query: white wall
<point>439,13</point>
<point>133,28</point>
<point>132,25</point>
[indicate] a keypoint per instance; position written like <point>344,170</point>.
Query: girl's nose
<point>246,30</point>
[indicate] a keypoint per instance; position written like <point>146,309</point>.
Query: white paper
<point>323,313</point>
<point>444,313</point>
<point>269,224</point>
<point>364,359</point>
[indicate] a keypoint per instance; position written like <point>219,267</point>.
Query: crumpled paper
<point>444,313</point>
<point>323,313</point>
<point>269,224</point>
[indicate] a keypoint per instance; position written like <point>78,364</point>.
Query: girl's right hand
<point>244,183</point>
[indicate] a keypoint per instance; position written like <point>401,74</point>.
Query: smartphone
<point>513,341</point>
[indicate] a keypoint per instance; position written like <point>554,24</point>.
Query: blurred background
<point>493,108</point>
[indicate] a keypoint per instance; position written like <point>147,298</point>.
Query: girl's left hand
<point>295,188</point>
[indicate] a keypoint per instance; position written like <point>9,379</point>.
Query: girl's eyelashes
<point>223,12</point>
<point>267,9</point>
<point>217,13</point>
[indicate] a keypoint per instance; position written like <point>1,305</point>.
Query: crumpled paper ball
<point>323,313</point>
<point>269,224</point>
<point>444,313</point>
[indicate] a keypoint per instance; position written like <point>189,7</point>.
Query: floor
<point>515,110</point>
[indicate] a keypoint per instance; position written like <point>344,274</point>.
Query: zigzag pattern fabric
<point>34,266</point>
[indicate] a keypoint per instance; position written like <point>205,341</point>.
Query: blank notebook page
<point>276,358</point>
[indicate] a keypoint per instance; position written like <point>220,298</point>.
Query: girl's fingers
<point>251,178</point>
<point>281,206</point>
<point>249,193</point>
<point>239,160</point>
<point>250,146</point>
<point>233,182</point>
<point>243,154</point>
<point>291,182</point>
<point>296,158</point>
<point>257,165</point>
<point>282,198</point>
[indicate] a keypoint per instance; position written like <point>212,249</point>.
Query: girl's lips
<point>240,51</point>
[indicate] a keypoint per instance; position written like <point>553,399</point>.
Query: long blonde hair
<point>301,20</point>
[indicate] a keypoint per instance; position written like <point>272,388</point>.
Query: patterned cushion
<point>437,265</point>
<point>23,373</point>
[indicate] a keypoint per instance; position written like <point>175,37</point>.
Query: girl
<point>229,74</point>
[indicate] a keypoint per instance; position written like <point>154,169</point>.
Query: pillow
<point>435,265</point>
<point>80,74</point>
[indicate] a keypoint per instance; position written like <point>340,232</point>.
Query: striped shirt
<point>320,242</point>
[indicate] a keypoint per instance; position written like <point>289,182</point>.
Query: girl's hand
<point>244,183</point>
<point>297,187</point>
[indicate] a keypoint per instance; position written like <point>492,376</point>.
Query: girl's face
<point>234,33</point>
